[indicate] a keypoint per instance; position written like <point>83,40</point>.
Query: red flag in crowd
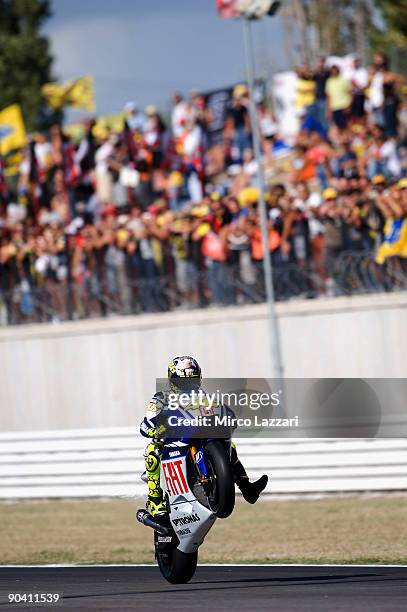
<point>70,167</point>
<point>228,9</point>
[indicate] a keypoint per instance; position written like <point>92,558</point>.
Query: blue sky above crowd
<point>144,51</point>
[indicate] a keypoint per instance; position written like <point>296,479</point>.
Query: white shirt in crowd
<point>251,167</point>
<point>137,121</point>
<point>268,127</point>
<point>43,152</point>
<point>101,157</point>
<point>179,118</point>
<point>313,201</point>
<point>376,95</point>
<point>359,77</point>
<point>388,153</point>
<point>192,141</point>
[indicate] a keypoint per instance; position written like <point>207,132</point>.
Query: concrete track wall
<point>101,373</point>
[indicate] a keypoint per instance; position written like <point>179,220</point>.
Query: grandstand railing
<point>353,273</point>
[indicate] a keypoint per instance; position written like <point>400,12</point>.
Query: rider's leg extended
<point>155,503</point>
<point>250,490</point>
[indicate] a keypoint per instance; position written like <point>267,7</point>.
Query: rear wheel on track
<point>176,566</point>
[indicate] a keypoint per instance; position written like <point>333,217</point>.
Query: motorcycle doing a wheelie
<point>198,487</point>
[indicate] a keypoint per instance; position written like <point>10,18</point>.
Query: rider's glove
<point>159,432</point>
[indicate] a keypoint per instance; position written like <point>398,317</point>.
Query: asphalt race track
<point>237,588</point>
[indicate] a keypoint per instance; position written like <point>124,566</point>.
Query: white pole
<point>274,339</point>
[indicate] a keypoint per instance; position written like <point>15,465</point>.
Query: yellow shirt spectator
<point>305,93</point>
<point>338,91</point>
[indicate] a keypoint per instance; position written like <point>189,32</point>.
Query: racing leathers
<point>150,429</point>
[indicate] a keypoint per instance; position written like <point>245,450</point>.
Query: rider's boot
<point>155,503</point>
<point>251,490</point>
<point>156,506</point>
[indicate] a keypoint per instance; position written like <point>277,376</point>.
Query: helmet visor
<point>186,385</point>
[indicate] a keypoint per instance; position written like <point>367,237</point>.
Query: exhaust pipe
<point>145,518</point>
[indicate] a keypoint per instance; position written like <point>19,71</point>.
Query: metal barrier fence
<point>352,273</point>
<point>109,462</point>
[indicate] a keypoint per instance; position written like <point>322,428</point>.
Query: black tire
<point>175,566</point>
<point>221,494</point>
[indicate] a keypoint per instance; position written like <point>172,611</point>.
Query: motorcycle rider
<point>180,370</point>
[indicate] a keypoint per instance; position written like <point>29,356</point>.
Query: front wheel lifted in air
<point>220,489</point>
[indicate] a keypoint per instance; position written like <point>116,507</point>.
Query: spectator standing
<point>306,90</point>
<point>321,75</point>
<point>104,183</point>
<point>238,119</point>
<point>331,218</point>
<point>181,114</point>
<point>203,116</point>
<point>359,78</point>
<point>135,119</point>
<point>338,90</point>
<point>154,135</point>
<point>214,253</point>
<point>391,100</point>
<point>193,160</point>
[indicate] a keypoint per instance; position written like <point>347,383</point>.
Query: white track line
<point>231,565</point>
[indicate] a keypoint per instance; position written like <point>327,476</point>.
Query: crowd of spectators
<point>157,217</point>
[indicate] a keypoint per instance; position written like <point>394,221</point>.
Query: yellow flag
<point>13,163</point>
<point>79,94</point>
<point>109,123</point>
<point>12,129</point>
<point>104,125</point>
<point>395,240</point>
<point>55,94</point>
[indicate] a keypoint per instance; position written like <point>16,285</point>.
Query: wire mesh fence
<point>220,284</point>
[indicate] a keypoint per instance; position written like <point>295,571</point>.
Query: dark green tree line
<point>25,59</point>
<point>338,27</point>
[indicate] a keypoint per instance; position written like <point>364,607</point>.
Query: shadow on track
<point>242,584</point>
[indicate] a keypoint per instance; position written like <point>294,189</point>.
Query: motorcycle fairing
<point>190,520</point>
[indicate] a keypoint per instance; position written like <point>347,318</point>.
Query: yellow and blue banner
<point>395,240</point>
<point>12,129</point>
